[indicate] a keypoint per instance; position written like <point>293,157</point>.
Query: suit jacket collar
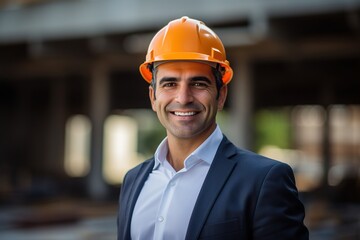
<point>139,182</point>
<point>216,178</point>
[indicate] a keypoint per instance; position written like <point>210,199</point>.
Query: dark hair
<point>153,71</point>
<point>218,78</point>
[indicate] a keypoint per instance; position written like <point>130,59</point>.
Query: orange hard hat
<point>186,39</point>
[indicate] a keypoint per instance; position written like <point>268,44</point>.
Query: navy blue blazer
<point>244,196</point>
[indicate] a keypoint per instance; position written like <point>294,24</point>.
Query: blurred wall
<point>59,58</point>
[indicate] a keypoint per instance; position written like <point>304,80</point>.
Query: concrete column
<point>99,108</point>
<point>241,105</point>
<point>327,98</point>
<point>56,132</point>
<point>326,147</point>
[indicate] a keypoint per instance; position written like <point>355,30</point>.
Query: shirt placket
<point>163,211</point>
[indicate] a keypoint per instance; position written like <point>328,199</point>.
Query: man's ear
<point>152,97</point>
<point>222,97</point>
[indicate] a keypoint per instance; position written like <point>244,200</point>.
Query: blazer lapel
<point>141,177</point>
<point>216,178</point>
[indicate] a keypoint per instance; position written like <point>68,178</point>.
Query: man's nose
<point>184,94</point>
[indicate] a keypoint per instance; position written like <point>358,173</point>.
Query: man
<point>199,185</point>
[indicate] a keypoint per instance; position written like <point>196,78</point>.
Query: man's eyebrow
<point>192,79</point>
<point>201,78</point>
<point>167,79</point>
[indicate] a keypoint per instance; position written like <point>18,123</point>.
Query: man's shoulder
<point>249,159</point>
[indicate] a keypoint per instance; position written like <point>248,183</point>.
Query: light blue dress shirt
<point>166,201</point>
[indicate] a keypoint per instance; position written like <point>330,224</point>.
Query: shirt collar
<point>205,152</point>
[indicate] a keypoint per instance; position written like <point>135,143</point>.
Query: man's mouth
<point>184,114</point>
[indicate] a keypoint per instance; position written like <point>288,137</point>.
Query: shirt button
<point>160,219</point>
<point>172,184</point>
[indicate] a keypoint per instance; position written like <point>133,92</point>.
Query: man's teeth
<point>184,113</point>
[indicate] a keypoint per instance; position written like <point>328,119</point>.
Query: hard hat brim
<point>147,74</point>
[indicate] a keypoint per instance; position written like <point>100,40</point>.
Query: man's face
<point>185,100</point>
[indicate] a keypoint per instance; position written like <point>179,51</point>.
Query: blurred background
<point>75,114</point>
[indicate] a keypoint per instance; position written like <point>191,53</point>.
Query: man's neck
<point>180,149</point>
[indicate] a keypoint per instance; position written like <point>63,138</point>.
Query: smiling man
<point>199,185</point>
<point>186,105</point>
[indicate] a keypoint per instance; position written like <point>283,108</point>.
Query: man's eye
<point>200,84</point>
<point>170,84</point>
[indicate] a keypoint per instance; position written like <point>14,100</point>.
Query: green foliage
<point>272,127</point>
<point>150,139</point>
<point>150,131</point>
